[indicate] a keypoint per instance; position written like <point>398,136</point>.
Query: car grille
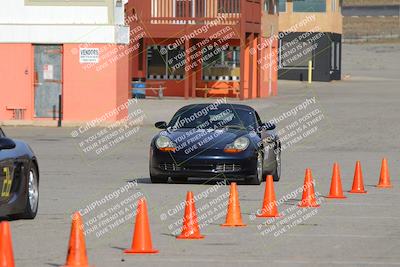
<point>200,167</point>
<point>227,167</point>
<point>169,167</point>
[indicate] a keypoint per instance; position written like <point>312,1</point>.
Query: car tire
<point>277,172</point>
<point>258,177</point>
<point>158,179</point>
<point>32,200</point>
<point>179,180</point>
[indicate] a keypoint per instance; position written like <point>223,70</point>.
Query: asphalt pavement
<point>360,121</point>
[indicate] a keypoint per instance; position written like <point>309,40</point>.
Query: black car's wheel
<point>158,179</point>
<point>179,180</point>
<point>32,202</point>
<point>257,179</point>
<point>277,172</point>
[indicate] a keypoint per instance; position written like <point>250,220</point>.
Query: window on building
<point>270,7</point>
<point>165,63</point>
<point>221,64</point>
<point>228,6</point>
<point>176,63</point>
<point>156,63</point>
<point>282,5</point>
<point>309,5</point>
<point>266,5</point>
<point>275,6</point>
<point>333,5</point>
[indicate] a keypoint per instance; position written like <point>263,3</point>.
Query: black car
<point>19,179</point>
<point>227,141</point>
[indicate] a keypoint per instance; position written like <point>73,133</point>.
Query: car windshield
<point>205,117</point>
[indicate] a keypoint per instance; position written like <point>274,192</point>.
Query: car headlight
<point>163,143</point>
<point>240,144</point>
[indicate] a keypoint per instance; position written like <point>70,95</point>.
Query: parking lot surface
<point>360,121</point>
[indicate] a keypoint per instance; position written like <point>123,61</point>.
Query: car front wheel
<point>277,172</point>
<point>32,202</point>
<point>257,179</point>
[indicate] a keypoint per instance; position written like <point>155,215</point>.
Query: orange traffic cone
<point>308,199</point>
<point>190,229</point>
<point>336,183</point>
<point>233,216</point>
<point>384,179</point>
<point>141,243</point>
<point>6,251</point>
<point>77,256</point>
<point>358,183</point>
<point>270,208</point>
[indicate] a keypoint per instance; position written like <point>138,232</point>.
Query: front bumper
<point>213,164</point>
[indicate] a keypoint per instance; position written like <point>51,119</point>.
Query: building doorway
<point>47,80</point>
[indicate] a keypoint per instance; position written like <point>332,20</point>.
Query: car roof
<point>221,106</point>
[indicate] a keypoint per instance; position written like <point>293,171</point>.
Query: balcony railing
<point>224,12</point>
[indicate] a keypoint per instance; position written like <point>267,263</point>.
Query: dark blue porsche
<point>227,141</point>
<point>19,179</point>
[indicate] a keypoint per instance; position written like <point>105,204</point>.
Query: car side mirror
<point>6,143</point>
<point>269,126</point>
<point>161,125</point>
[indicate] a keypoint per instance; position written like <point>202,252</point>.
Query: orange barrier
<point>336,190</point>
<point>358,183</point>
<point>384,178</point>
<point>308,199</point>
<point>233,216</point>
<point>141,241</point>
<point>190,228</point>
<point>77,256</point>
<point>270,208</point>
<point>6,250</point>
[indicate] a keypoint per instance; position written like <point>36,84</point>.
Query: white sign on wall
<point>48,72</point>
<point>89,55</point>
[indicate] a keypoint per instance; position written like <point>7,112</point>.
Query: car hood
<point>197,140</point>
